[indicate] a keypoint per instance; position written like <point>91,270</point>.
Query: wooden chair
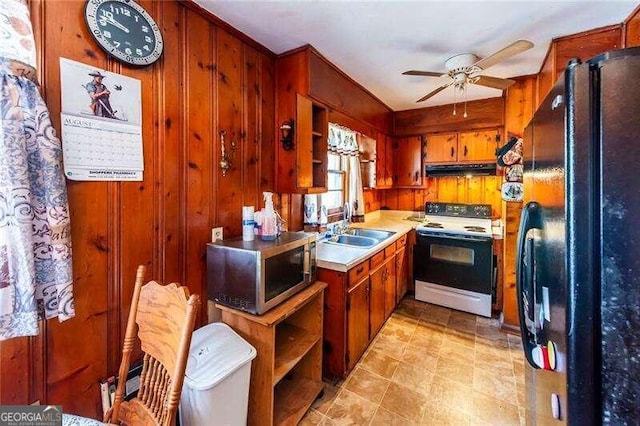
<point>165,316</point>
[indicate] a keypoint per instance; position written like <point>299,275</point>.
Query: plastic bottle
<point>269,219</point>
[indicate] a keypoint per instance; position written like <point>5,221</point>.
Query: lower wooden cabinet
<point>377,299</point>
<point>402,273</point>
<point>357,303</point>
<point>357,321</point>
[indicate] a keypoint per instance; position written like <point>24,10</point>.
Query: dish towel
<point>35,240</point>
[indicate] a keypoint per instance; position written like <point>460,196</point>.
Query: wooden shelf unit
<point>286,375</point>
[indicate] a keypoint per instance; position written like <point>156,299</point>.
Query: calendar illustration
<point>101,124</point>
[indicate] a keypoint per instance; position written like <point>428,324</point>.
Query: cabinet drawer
<point>390,250</point>
<point>401,242</point>
<point>358,272</point>
<point>376,260</point>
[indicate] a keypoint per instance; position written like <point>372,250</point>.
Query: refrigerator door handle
<point>531,219</point>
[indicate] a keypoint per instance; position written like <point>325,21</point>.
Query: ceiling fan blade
<point>511,50</point>
<point>423,73</point>
<point>494,82</point>
<point>435,92</point>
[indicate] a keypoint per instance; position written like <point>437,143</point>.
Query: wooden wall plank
<point>586,45</point>
<point>546,76</point>
<point>250,140</point>
<point>268,126</point>
<point>519,105</point>
<point>632,29</point>
<point>481,113</point>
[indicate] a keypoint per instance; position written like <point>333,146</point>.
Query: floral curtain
<point>35,242</point>
<point>342,140</point>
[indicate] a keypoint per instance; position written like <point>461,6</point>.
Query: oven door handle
<point>525,279</point>
<point>454,237</point>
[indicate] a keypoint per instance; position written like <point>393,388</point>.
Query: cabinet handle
<point>452,151</point>
<point>417,176</point>
<point>465,150</point>
<point>360,269</point>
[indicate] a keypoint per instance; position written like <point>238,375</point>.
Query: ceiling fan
<point>463,69</point>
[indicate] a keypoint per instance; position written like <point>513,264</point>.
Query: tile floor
<point>430,365</point>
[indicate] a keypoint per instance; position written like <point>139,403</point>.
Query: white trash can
<point>216,383</point>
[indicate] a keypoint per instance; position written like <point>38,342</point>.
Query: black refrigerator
<point>578,260</point>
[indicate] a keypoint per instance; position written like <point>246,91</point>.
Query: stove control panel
<point>458,210</point>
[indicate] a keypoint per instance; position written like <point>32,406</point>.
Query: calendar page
<point>101,124</point>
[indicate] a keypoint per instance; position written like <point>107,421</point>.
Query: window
<point>334,197</point>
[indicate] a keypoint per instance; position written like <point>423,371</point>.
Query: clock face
<point>124,30</point>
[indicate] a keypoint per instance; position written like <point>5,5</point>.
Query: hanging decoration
<point>35,240</point>
<point>510,157</point>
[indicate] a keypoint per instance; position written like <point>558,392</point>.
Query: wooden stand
<point>286,375</point>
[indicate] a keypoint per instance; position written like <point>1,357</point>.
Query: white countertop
<point>343,257</point>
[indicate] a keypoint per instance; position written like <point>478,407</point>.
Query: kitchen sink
<point>372,233</point>
<point>353,240</point>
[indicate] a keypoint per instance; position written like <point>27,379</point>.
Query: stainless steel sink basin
<point>352,240</point>
<point>372,233</point>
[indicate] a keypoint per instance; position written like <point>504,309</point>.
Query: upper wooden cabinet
<point>384,162</point>
<point>478,146</point>
<point>409,154</point>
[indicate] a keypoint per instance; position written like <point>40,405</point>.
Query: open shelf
<point>292,343</point>
<point>293,397</point>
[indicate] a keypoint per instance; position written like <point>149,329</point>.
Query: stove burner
<point>433,225</point>
<point>475,228</point>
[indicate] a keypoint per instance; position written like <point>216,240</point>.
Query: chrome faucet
<point>346,214</point>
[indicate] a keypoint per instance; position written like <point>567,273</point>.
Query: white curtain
<point>344,141</point>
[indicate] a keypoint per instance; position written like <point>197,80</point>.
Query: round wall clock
<point>124,30</point>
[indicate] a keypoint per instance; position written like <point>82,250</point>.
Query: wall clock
<point>124,30</point>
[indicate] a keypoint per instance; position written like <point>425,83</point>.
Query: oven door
<point>463,262</point>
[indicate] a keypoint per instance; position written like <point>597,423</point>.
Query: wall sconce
<point>286,133</point>
<point>226,158</point>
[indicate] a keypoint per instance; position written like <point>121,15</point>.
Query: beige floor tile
<point>368,385</point>
<point>389,345</point>
<point>490,332</point>
<point>329,394</point>
<point>494,322</point>
<point>450,394</point>
<point>458,371</point>
<point>465,323</point>
<point>443,416</point>
<point>422,357</point>
<point>409,311</point>
<point>379,363</point>
<point>312,417</point>
<point>495,385</point>
<point>493,411</point>
<point>385,417</point>
<point>404,402</point>
<point>497,365</point>
<point>397,330</point>
<point>453,350</point>
<point>402,319</point>
<point>518,371</point>
<point>460,337</point>
<point>351,409</point>
<point>413,377</point>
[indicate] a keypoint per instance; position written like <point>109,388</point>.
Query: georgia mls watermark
<point>30,415</point>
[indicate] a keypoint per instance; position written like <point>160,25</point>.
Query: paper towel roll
<point>247,223</point>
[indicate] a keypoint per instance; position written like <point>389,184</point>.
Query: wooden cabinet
<point>478,146</point>
<point>384,161</point>
<point>357,303</point>
<point>303,169</point>
<point>408,158</point>
<point>441,148</point>
<point>376,300</point>
<point>390,284</point>
<point>357,321</point>
<point>286,375</point>
<point>402,273</point>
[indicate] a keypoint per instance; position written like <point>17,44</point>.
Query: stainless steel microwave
<point>255,276</point>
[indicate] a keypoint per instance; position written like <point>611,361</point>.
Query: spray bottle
<point>269,219</point>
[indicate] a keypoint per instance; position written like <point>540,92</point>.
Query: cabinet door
<point>402,274</point>
<point>408,161</point>
<point>390,287</point>
<point>442,148</point>
<point>304,142</point>
<point>357,321</point>
<point>478,146</point>
<point>388,162</point>
<point>376,301</point>
<point>381,157</point>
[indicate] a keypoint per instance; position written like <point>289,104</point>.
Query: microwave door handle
<point>307,262</point>
<point>525,281</point>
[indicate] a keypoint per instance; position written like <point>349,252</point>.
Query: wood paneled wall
<point>632,29</point>
<point>208,79</point>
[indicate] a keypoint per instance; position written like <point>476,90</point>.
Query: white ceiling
<point>375,41</point>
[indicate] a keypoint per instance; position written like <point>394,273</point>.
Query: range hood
<point>479,169</point>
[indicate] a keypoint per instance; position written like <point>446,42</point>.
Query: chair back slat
<point>165,316</point>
